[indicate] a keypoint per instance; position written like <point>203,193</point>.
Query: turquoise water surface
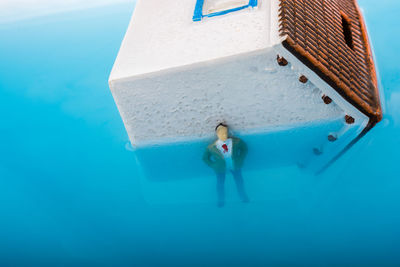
<point>72,192</point>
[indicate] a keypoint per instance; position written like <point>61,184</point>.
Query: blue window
<point>212,8</point>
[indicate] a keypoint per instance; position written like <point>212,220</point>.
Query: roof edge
<point>371,63</point>
<point>331,80</point>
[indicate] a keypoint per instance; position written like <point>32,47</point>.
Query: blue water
<point>73,193</point>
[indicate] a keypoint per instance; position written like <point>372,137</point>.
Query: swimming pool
<point>73,193</point>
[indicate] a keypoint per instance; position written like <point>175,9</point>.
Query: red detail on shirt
<point>225,147</point>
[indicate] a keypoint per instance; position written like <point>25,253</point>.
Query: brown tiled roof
<point>314,33</point>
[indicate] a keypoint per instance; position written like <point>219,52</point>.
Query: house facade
<point>261,66</point>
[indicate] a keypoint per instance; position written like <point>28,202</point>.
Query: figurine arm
<point>242,147</point>
<point>207,158</point>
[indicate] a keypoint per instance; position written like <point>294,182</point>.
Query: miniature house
<point>261,66</point>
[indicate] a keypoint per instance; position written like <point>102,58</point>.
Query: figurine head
<point>222,132</point>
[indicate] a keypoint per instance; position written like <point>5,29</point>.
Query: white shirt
<point>226,153</point>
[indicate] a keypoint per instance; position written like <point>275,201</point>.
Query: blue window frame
<point>198,11</point>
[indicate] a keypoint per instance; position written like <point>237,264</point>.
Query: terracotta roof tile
<point>314,33</point>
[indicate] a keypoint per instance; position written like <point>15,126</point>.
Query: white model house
<point>260,66</point>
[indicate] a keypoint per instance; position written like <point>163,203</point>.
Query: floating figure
<point>227,154</point>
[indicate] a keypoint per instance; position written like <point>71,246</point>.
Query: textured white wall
<point>249,92</point>
<point>162,35</point>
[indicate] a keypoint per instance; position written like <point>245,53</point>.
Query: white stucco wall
<point>162,36</point>
<point>251,93</point>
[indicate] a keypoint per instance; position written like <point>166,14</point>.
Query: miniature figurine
<point>226,154</point>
